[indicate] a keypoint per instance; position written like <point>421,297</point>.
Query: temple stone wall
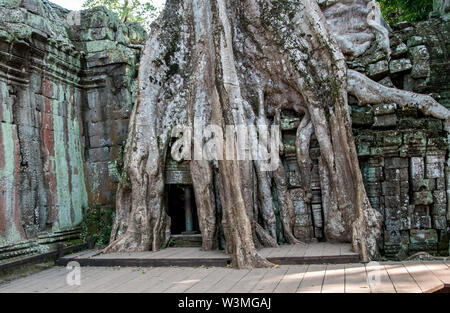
<point>67,86</point>
<point>403,154</point>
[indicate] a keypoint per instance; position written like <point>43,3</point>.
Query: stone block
<point>420,62</point>
<point>417,168</point>
<point>423,184</point>
<point>99,128</point>
<point>385,121</point>
<point>423,236</point>
<point>390,188</point>
<point>405,223</point>
<point>400,174</point>
<point>415,41</point>
<point>303,220</point>
<point>99,142</point>
<point>362,118</point>
<point>392,237</point>
<point>399,50</point>
<point>392,224</point>
<point>303,233</point>
<point>423,198</point>
<point>393,203</point>
<point>400,66</point>
<point>99,154</point>
<point>440,222</point>
<point>392,139</point>
<point>420,221</point>
<point>420,69</point>
<point>396,163</point>
<point>435,169</point>
<point>419,53</point>
<point>440,183</point>
<point>378,70</point>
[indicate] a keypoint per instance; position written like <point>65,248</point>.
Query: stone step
<point>184,240</point>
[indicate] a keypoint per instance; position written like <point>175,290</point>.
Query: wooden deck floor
<point>418,277</point>
<point>318,253</point>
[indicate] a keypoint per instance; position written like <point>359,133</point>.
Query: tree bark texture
<point>241,62</point>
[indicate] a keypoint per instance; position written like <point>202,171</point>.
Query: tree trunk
<point>239,63</point>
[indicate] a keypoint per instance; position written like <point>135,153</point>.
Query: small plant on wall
<point>97,224</point>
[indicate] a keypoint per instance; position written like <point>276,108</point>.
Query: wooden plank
<point>194,277</point>
<point>88,254</point>
<point>166,280</point>
<point>140,283</point>
<point>166,253</point>
<point>402,280</point>
<point>425,278</point>
<point>291,279</point>
<point>118,282</point>
<point>270,280</point>
<point>86,275</point>
<point>229,281</point>
<point>208,282</point>
<point>25,281</point>
<point>188,253</point>
<point>334,281</point>
<point>440,270</point>
<point>356,279</point>
<point>314,250</point>
<point>313,279</point>
<point>34,282</point>
<point>281,251</point>
<point>346,249</point>
<point>331,249</point>
<point>249,281</point>
<point>378,279</point>
<point>297,251</point>
<point>105,278</point>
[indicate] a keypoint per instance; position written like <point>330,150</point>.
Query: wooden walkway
<point>417,277</point>
<point>318,253</point>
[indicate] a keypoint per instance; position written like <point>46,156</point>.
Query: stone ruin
<point>67,86</point>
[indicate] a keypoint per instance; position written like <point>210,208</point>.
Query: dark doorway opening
<point>176,208</point>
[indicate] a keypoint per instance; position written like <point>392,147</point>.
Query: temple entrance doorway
<point>182,210</point>
<point>181,206</point>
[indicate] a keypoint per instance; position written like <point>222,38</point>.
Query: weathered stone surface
<point>50,95</point>
<point>400,66</point>
<point>423,198</point>
<point>399,50</point>
<point>421,61</point>
<point>423,236</point>
<point>385,121</point>
<point>378,70</point>
<point>415,41</point>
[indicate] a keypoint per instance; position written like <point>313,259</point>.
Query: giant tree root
<point>240,63</point>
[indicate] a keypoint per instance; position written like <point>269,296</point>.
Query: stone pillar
<point>188,209</point>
